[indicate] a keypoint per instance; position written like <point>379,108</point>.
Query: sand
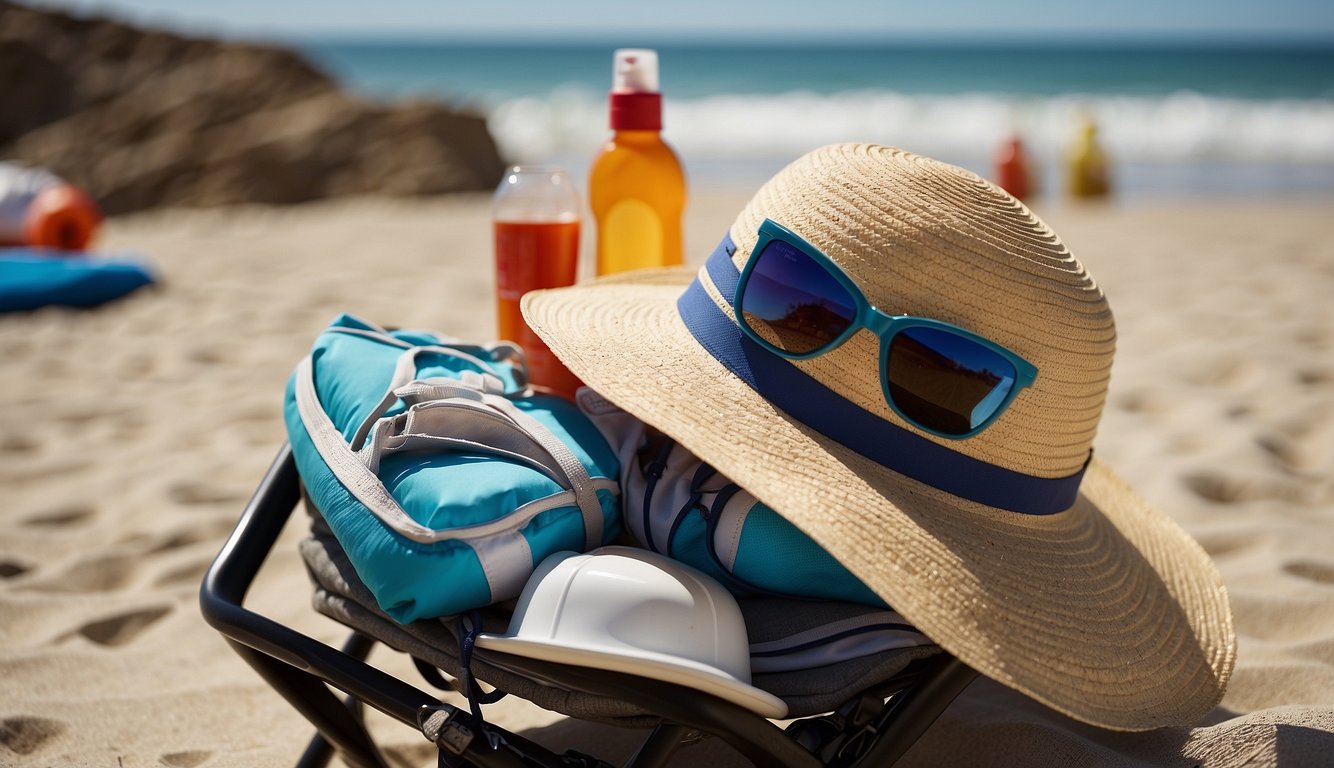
<point>132,435</point>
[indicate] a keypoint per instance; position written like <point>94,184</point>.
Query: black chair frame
<point>867,731</point>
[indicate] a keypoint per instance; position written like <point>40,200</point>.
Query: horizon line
<point>1056,39</point>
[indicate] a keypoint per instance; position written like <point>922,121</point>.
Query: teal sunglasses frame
<point>885,326</point>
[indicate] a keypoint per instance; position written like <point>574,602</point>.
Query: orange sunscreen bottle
<point>636,188</point>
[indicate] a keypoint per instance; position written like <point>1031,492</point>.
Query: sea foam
<point>1177,127</point>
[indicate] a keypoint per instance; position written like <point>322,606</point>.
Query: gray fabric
<point>811,691</point>
<point>341,595</point>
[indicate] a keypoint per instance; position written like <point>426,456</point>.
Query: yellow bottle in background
<point>636,188</point>
<point>1089,176</point>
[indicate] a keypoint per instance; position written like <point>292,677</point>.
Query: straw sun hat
<point>1012,549</point>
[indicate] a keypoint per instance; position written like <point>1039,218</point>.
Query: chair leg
<point>917,709</point>
<point>319,752</point>
<point>659,747</point>
<point>309,695</point>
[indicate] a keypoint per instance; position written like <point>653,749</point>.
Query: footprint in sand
<point>98,574</point>
<point>1228,373</point>
<point>1143,401</point>
<point>83,414</point>
<point>1316,337</point>
<point>25,735</point>
<point>180,541</point>
<point>186,759</point>
<point>1227,543</point>
<point>26,474</point>
<point>121,629</point>
<point>10,569</point>
<point>1283,448</point>
<point>411,754</point>
<point>1321,573</point>
<point>61,517</point>
<point>210,355</point>
<point>1314,377</point>
<point>158,543</point>
<point>16,443</point>
<point>1301,446</point>
<point>192,494</point>
<point>188,574</point>
<point>1239,410</point>
<point>1230,489</point>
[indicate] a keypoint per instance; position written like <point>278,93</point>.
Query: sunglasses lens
<point>792,302</point>
<point>946,382</point>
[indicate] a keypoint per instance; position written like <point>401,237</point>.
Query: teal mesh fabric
<point>441,490</point>
<point>775,555</point>
<point>772,557</point>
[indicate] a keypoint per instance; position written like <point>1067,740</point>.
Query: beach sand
<point>132,435</point>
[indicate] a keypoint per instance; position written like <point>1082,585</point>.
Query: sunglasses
<point>797,303</point>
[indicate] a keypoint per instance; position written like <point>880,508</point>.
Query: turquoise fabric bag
<point>439,472</point>
<point>675,504</point>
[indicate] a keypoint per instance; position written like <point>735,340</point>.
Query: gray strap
<point>838,641</point>
<point>584,492</point>
<point>489,390</point>
<point>346,465</point>
<point>405,370</point>
<point>468,422</point>
<point>727,530</point>
<point>494,351</point>
<point>445,408</point>
<point>508,548</point>
<point>362,482</point>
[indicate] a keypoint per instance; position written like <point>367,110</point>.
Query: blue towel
<point>36,277</point>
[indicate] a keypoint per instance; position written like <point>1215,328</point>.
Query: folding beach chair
<point>862,712</point>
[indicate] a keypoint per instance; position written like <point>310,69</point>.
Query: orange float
<point>61,216</point>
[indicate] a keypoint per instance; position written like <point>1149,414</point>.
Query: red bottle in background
<point>1012,170</point>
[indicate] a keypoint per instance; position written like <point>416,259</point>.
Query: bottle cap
<point>635,102</point>
<point>635,70</point>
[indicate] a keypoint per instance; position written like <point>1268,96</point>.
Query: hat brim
<point>1107,612</point>
<point>657,666</point>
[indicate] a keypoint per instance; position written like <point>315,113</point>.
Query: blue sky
<point>864,19</point>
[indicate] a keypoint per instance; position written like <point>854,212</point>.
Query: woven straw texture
<point>1108,611</point>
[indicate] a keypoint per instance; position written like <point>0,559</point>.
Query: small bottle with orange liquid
<point>536,227</point>
<point>636,188</point>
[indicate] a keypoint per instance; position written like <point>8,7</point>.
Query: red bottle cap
<point>636,111</point>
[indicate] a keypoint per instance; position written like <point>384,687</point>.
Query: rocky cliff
<point>144,118</point>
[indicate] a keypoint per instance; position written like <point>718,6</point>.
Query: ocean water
<point>1177,120</point>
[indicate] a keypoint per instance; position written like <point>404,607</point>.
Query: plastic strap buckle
<point>440,726</point>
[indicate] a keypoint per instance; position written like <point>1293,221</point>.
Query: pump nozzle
<point>635,71</point>
<point>636,104</point>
